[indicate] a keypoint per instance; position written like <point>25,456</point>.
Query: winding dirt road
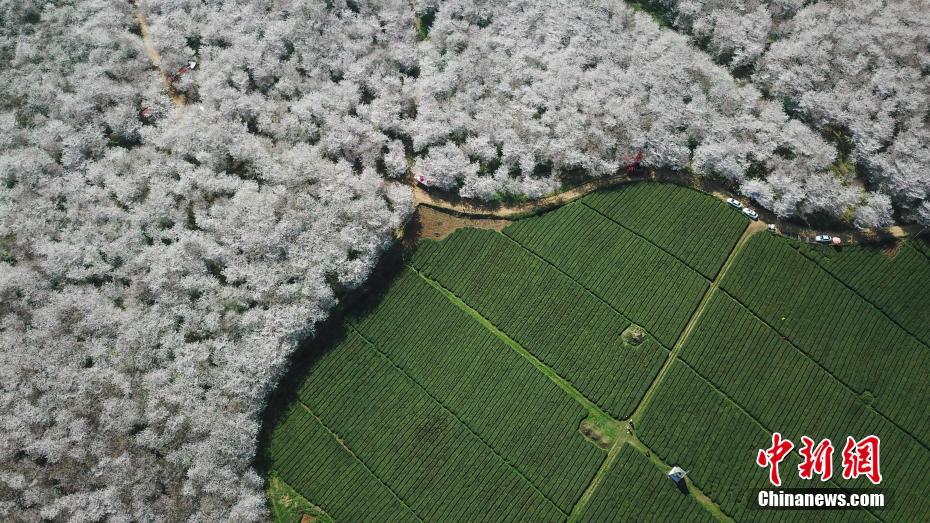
<point>468,208</point>
<point>154,56</point>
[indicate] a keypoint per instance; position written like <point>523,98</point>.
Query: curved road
<point>451,203</point>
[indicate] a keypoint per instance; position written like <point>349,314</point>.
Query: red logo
<point>860,458</point>
<point>819,460</point>
<point>774,455</point>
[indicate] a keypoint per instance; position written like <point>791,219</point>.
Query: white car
<point>823,238</point>
<point>734,202</point>
<point>772,228</point>
<point>753,215</point>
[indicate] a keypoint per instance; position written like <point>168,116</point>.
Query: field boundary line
<point>747,233</point>
<point>657,246</point>
<point>277,477</point>
<point>620,438</point>
<point>592,407</point>
<point>583,287</point>
<point>863,298</point>
<point>828,371</point>
<point>636,444</point>
<point>742,409</point>
<point>439,402</point>
<point>588,494</point>
<point>357,458</point>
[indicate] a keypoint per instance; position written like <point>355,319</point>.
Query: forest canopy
<point>162,251</point>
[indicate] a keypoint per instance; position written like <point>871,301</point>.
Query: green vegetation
<point>644,283</point>
<point>633,335</point>
<point>288,506</point>
<point>491,380</point>
<point>850,338</point>
<point>693,425</point>
<point>698,230</point>
<point>318,465</point>
<point>892,280</point>
<point>417,447</point>
<point>566,327</point>
<point>635,490</point>
<point>423,21</point>
<point>493,390</point>
<point>922,242</point>
<point>785,390</point>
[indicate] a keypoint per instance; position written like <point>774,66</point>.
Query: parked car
<point>734,202</point>
<point>823,238</point>
<point>753,215</point>
<point>772,228</point>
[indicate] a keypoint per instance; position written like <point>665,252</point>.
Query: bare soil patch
<point>436,224</point>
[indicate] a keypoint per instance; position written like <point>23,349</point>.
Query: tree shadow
<point>356,303</point>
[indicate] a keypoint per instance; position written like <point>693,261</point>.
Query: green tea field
<point>558,369</point>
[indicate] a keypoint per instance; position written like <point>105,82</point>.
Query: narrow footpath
<point>471,208</point>
<point>614,428</point>
<point>154,56</point>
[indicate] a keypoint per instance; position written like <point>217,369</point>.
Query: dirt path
<point>436,225</point>
<point>613,428</point>
<point>753,228</point>
<point>508,211</point>
<point>636,417</point>
<point>154,56</point>
<point>465,207</point>
<point>606,465</point>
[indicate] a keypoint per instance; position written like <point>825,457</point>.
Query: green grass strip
<point>596,414</point>
<point>288,506</point>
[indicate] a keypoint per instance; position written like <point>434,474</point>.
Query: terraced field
<point>492,380</point>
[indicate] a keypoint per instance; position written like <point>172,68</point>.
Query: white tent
<point>677,474</point>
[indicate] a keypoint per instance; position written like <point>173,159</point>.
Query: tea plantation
<point>558,369</point>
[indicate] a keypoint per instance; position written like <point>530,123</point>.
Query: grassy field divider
<point>862,297</point>
<point>582,286</point>
<point>578,509</point>
<point>594,411</point>
<point>614,428</point>
<point>630,439</point>
<point>357,458</point>
<point>703,499</point>
<point>455,415</point>
<point>753,228</point>
<point>829,373</point>
<point>638,235</point>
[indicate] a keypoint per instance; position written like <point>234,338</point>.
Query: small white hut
<point>677,475</point>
